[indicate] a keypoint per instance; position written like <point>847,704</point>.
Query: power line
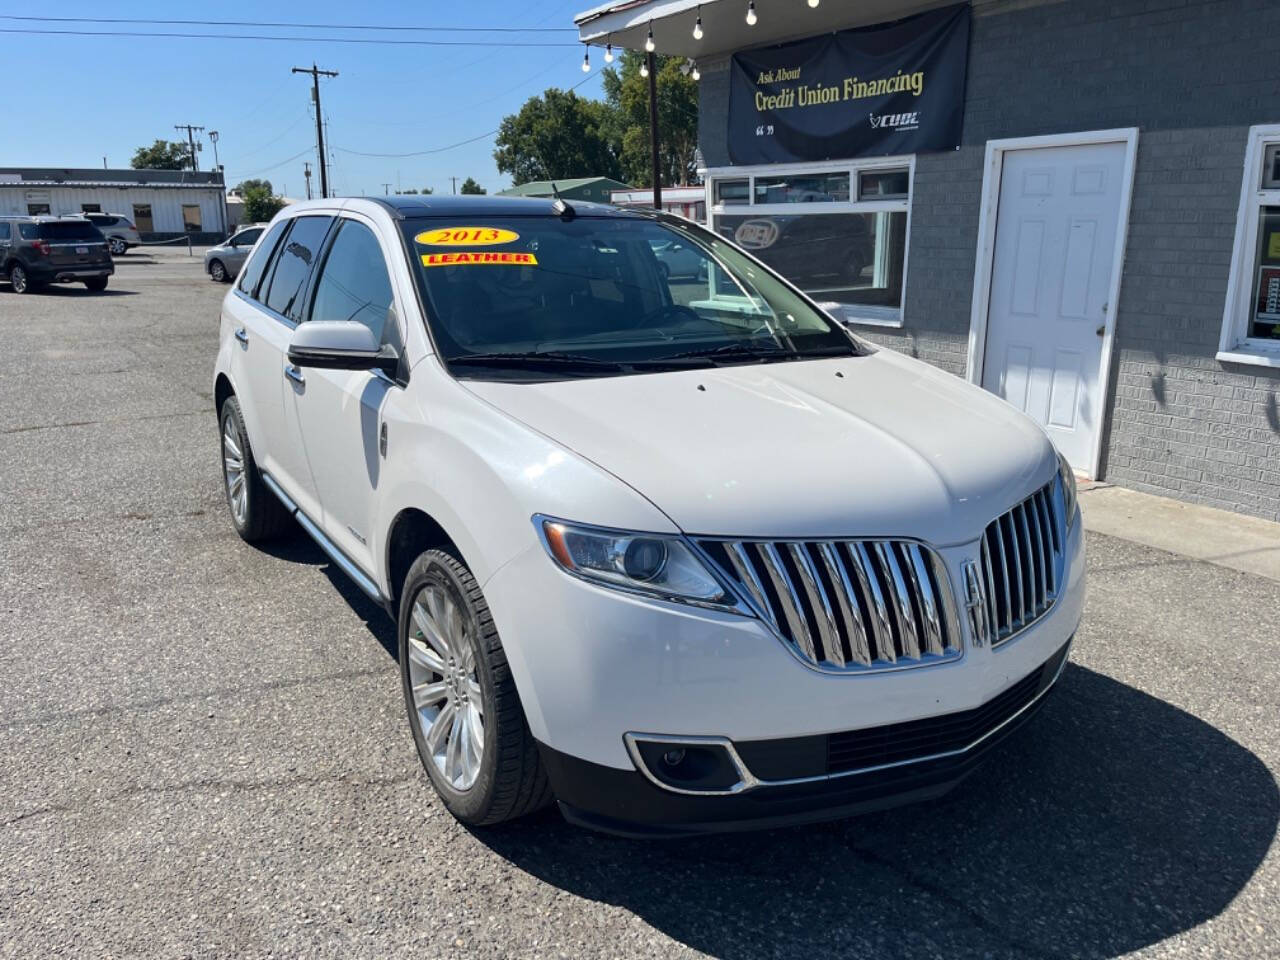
<point>300,26</point>
<point>254,36</point>
<point>257,173</point>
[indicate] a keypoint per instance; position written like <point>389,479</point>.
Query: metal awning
<point>111,183</point>
<point>626,23</point>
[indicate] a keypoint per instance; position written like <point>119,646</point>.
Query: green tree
<point>557,136</point>
<point>627,94</point>
<point>162,155</point>
<point>259,205</point>
<point>411,191</point>
<point>244,185</point>
<point>469,186</point>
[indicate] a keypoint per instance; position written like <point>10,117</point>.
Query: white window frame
<point>864,314</point>
<point>1235,345</point>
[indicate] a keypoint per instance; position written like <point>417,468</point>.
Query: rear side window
<point>29,231</point>
<point>354,284</point>
<point>69,230</point>
<point>252,271</point>
<point>293,266</point>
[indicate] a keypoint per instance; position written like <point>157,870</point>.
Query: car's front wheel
<point>117,247</point>
<point>218,271</point>
<point>465,714</point>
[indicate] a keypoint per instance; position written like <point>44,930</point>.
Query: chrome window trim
<point>748,781</point>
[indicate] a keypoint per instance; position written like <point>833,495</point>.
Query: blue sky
<point>83,97</point>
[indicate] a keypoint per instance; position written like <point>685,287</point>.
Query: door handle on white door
<point>241,335</point>
<point>1102,330</point>
<point>294,374</point>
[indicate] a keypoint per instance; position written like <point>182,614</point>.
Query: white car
<point>679,565</point>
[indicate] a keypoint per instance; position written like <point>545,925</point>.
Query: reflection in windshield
<point>602,296</point>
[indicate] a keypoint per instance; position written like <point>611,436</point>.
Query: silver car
<point>224,261</point>
<point>119,230</point>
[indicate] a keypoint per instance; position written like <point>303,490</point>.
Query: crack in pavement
<point>145,705</point>
<point>205,784</point>
<point>108,420</point>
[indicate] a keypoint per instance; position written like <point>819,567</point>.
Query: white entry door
<point>1051,277</point>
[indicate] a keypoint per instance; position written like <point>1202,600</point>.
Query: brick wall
<point>1192,77</point>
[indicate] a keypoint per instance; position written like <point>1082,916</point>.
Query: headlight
<point>659,566</point>
<point>1068,478</point>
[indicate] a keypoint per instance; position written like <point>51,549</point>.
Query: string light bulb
<point>608,52</point>
<point>813,4</point>
<point>697,26</point>
<point>648,43</point>
<point>694,72</point>
<point>751,13</point>
<point>644,69</point>
<point>586,61</point>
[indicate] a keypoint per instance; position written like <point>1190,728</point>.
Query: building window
<point>142,218</point>
<point>191,217</point>
<point>37,209</point>
<point>837,230</point>
<point>90,208</point>
<point>1251,320</point>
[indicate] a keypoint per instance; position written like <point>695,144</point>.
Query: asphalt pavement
<point>205,752</point>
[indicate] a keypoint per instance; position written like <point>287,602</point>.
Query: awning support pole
<point>653,130</point>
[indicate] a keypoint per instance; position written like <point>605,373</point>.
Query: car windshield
<point>69,230</point>
<point>550,297</point>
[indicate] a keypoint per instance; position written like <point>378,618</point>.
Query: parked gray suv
<point>224,261</point>
<point>35,251</point>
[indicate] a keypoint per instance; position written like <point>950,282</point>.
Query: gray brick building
<point>1101,246</point>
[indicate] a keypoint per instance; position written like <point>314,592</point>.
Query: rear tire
<point>452,659</point>
<point>96,284</point>
<point>218,271</point>
<point>19,280</point>
<point>256,512</point>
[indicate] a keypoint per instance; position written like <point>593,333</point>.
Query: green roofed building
<point>595,189</point>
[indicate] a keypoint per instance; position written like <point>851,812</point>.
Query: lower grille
<point>1023,555</point>
<point>848,605</point>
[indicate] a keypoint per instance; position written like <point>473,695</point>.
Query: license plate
<point>82,249</point>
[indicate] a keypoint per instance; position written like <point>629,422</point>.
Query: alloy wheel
<point>18,277</point>
<point>118,247</point>
<point>218,271</point>
<point>233,470</point>
<point>447,699</point>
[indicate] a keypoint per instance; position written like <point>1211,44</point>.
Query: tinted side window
<point>293,266</point>
<point>248,237</point>
<point>354,284</point>
<point>252,271</point>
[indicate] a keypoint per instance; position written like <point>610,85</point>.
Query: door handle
<point>294,374</point>
<point>1102,330</point>
<point>241,335</point>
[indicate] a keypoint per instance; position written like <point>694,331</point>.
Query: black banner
<point>891,88</point>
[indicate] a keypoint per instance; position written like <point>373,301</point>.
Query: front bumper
<point>797,782</point>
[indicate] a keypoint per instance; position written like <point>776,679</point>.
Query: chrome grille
<point>1021,566</point>
<point>848,605</point>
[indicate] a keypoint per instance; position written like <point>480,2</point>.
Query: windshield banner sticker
<point>893,88</point>
<point>478,257</point>
<point>466,237</point>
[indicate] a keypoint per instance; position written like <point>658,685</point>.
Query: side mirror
<point>340,345</point>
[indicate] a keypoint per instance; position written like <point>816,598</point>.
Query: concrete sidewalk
<point>1248,544</point>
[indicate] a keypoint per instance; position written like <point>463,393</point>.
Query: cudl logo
<point>895,121</point>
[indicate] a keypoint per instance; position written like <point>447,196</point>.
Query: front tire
<point>218,271</point>
<point>256,512</point>
<point>464,711</point>
<point>117,247</point>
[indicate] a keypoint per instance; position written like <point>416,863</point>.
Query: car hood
<point>879,445</point>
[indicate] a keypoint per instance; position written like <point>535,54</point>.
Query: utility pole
<point>316,74</point>
<point>651,60</point>
<point>386,189</point>
<point>455,184</point>
<point>191,139</point>
<point>306,172</point>
<point>217,167</point>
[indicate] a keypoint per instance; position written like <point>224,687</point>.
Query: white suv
<point>679,553</point>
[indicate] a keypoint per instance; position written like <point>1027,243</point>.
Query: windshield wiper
<point>536,359</point>
<point>763,353</point>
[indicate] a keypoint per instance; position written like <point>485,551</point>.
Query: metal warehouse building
<point>1074,204</point>
<point>161,203</point>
